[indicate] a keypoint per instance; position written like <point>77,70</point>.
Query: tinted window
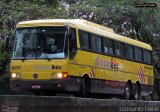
<point>119,49</point>
<point>138,54</point>
<point>147,56</point>
<point>84,40</point>
<point>96,43</point>
<point>72,43</point>
<point>129,51</point>
<point>108,46</point>
<point>40,42</point>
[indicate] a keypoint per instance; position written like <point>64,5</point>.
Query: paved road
<point>73,104</point>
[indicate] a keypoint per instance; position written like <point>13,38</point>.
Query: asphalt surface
<point>30,103</point>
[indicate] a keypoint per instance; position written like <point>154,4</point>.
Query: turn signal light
<point>64,75</point>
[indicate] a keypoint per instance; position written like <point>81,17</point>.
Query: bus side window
<point>119,49</point>
<point>138,54</point>
<point>96,43</point>
<point>147,56</point>
<point>108,46</point>
<point>72,43</point>
<point>84,40</point>
<point>129,51</point>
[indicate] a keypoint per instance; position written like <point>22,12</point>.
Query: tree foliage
<point>122,15</point>
<point>21,10</point>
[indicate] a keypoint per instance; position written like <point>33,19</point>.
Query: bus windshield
<point>40,43</point>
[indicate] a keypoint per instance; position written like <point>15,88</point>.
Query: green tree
<point>23,10</point>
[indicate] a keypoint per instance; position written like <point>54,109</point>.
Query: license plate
<point>36,87</point>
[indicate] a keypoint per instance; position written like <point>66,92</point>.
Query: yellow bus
<point>74,55</point>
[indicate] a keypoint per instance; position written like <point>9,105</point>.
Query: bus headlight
<point>15,75</point>
<point>60,75</point>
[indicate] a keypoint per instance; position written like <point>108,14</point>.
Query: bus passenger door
<point>73,65</point>
<point>72,44</point>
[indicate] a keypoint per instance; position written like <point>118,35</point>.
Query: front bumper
<point>69,84</point>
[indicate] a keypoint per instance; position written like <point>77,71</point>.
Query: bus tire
<point>127,91</point>
<point>137,92</point>
<point>84,87</point>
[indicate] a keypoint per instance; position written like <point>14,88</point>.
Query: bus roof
<point>86,26</point>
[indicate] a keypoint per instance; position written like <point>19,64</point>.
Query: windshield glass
<point>40,43</point>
